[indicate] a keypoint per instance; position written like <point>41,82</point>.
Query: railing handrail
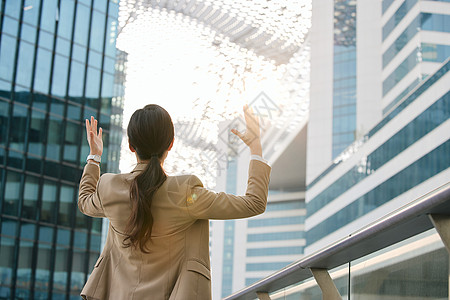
<point>407,221</point>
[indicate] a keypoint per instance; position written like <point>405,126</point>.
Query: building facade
<point>57,67</point>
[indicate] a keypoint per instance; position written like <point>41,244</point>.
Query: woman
<point>158,239</point>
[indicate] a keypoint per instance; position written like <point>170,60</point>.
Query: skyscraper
<point>57,67</point>
<point>384,81</point>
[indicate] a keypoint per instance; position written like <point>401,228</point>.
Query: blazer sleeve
<point>205,204</point>
<point>88,195</point>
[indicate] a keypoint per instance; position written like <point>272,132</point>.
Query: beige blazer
<point>177,266</point>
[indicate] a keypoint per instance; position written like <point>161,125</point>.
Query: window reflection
<point>81,24</point>
<point>78,275</point>
<point>93,85</point>
<point>4,115</point>
<point>12,192</point>
<point>42,276</point>
<point>48,202</point>
<point>61,268</point>
<point>6,260</point>
<point>28,33</point>
<point>72,138</point>
<point>37,133</point>
<point>54,138</point>
<point>18,125</point>
<point>66,206</point>
<point>24,264</point>
<point>76,79</point>
<point>7,54</point>
<point>111,32</point>
<point>66,18</point>
<point>60,70</point>
<point>42,72</point>
<point>30,11</point>
<point>48,16</point>
<point>46,40</point>
<point>30,197</point>
<point>25,64</point>
<point>97,33</point>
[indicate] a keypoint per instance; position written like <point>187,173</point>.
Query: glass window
<point>4,115</point>
<point>24,264</point>
<point>46,234</point>
<point>31,11</point>
<point>93,85</point>
<point>78,273</point>
<point>48,203</point>
<point>54,138</point>
<point>46,40</point>
<point>73,111</point>
<point>18,127</point>
<point>65,23</point>
<point>62,46</point>
<point>10,26</point>
<point>25,64</point>
<point>95,242</point>
<point>7,54</point>
<point>72,139</point>
<point>79,53</point>
<point>113,10</point>
<point>110,42</point>
<point>57,106</point>
<point>97,225</point>
<point>100,5</point>
<point>43,264</point>
<point>63,237</point>
<point>9,227</point>
<point>37,133</point>
<point>107,86</point>
<point>81,221</point>
<point>42,72</point>
<point>95,59</point>
<point>30,197</point>
<point>76,79</point>
<point>97,31</point>
<point>49,15</point>
<point>5,88</point>
<point>7,261</point>
<point>66,205</point>
<point>12,9</point>
<point>12,193</point>
<point>82,24</point>
<point>60,71</point>
<point>109,65</point>
<point>61,269</point>
<point>80,239</point>
<point>28,33</point>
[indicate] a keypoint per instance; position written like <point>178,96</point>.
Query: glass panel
<point>93,86</point>
<point>42,268</point>
<point>30,197</point>
<point>96,240</point>
<point>107,86</point>
<point>28,33</point>
<point>82,24</point>
<point>95,59</point>
<point>6,260</point>
<point>25,64</point>
<point>97,225</point>
<point>100,5</point>
<point>7,54</point>
<point>61,269</point>
<point>24,264</point>
<point>76,79</point>
<point>42,72</point>
<point>78,274</point>
<point>63,237</point>
<point>30,11</point>
<point>46,234</point>
<point>49,15</point>
<point>111,32</point>
<point>81,221</point>
<point>72,139</point>
<point>48,201</point>
<point>62,46</point>
<point>36,134</point>
<point>65,24</point>
<point>79,53</point>
<point>97,31</point>
<point>9,227</point>
<point>416,268</point>
<point>60,71</point>
<point>40,101</point>
<point>73,112</point>
<point>66,205</point>
<point>4,115</point>
<point>12,193</point>
<point>15,159</point>
<point>5,88</point>
<point>57,107</point>
<point>46,40</point>
<point>54,138</point>
<point>10,26</point>
<point>12,8</point>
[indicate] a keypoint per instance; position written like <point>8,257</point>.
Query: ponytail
<point>149,128</point>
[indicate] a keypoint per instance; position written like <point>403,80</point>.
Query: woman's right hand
<point>251,137</point>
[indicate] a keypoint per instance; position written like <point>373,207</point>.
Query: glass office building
<point>403,152</point>
<point>57,67</point>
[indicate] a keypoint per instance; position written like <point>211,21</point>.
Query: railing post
<point>442,225</point>
<point>326,284</point>
<point>263,296</point>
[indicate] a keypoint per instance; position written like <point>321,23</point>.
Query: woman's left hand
<point>94,139</point>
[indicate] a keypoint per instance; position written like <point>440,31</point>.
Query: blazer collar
<point>139,167</point>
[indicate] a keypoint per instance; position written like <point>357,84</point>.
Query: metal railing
<point>420,215</point>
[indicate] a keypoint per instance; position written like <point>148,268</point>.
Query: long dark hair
<point>150,133</point>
